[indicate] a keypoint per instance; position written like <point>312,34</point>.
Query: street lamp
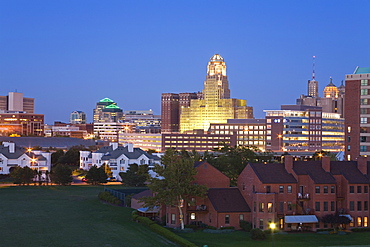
<point>272,227</point>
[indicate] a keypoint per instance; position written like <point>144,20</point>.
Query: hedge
<point>162,231</point>
<point>365,229</point>
<point>108,197</point>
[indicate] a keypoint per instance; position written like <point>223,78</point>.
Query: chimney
<point>325,163</point>
<point>10,145</point>
<point>130,147</point>
<point>288,163</point>
<point>114,145</point>
<point>362,164</point>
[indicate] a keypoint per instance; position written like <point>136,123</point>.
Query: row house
<point>118,158</point>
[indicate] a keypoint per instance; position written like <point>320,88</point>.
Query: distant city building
<point>110,131</point>
<point>60,129</point>
<point>357,113</point>
<point>199,141</point>
<point>216,105</point>
<point>12,156</point>
<point>189,111</point>
<point>297,128</point>
<point>106,111</point>
<point>248,132</point>
<point>145,121</point>
<point>77,117</point>
<point>22,124</point>
<point>15,102</point>
<point>144,141</point>
<point>118,158</point>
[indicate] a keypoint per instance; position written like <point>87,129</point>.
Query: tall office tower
<point>313,85</point>
<point>15,102</point>
<point>357,114</point>
<point>216,105</point>
<point>77,117</point>
<point>170,112</point>
<point>106,110</point>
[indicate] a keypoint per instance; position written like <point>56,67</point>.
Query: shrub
<point>108,197</point>
<point>245,225</point>
<point>191,226</point>
<point>257,234</point>
<point>365,229</point>
<point>171,236</point>
<point>212,227</point>
<point>227,227</point>
<point>145,221</point>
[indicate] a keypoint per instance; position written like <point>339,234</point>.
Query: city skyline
<point>68,56</point>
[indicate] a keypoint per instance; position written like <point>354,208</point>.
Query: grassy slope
<point>242,239</point>
<point>67,216</point>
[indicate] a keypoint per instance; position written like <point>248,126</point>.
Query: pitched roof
<point>109,153</point>
<point>349,170</point>
<point>46,142</point>
<point>314,170</point>
<point>18,151</point>
<point>145,193</point>
<point>227,200</point>
<point>272,173</point>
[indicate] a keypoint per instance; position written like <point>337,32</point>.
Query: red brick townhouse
<point>297,193</point>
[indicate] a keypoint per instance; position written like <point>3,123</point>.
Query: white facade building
<point>12,156</point>
<point>118,158</point>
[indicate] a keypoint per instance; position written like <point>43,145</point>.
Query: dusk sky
<point>70,54</point>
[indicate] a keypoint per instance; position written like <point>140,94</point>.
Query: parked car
<point>84,180</point>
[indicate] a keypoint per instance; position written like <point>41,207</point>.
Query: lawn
<point>67,216</point>
<point>242,239</point>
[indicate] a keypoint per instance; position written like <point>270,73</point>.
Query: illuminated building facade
<point>110,131</point>
<point>248,132</point>
<point>144,140</point>
<point>106,110</point>
<point>297,128</point>
<point>144,121</point>
<point>216,106</point>
<point>22,124</point>
<point>357,113</point>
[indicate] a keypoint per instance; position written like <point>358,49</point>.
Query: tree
<point>174,183</point>
<point>56,156</point>
<point>61,174</point>
<point>96,175</point>
<point>335,220</point>
<point>135,176</point>
<point>23,176</point>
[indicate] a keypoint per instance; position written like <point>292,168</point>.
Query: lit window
<point>192,216</point>
<point>359,222</point>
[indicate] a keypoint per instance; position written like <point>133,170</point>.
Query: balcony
<point>303,197</point>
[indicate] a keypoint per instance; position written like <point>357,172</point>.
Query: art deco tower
<point>216,105</point>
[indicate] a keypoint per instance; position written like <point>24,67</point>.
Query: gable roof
<point>145,193</point>
<point>109,153</point>
<point>18,152</point>
<point>349,170</point>
<point>227,200</point>
<point>272,173</point>
<point>314,170</point>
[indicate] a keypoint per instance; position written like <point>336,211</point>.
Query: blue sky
<point>70,54</point>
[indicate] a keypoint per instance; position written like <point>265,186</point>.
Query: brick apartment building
<point>293,194</point>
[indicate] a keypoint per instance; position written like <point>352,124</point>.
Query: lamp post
<point>272,227</point>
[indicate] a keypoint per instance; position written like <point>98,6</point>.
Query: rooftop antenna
<point>313,68</point>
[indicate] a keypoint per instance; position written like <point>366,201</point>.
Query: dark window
<point>281,189</point>
<point>366,189</point>
<point>227,219</point>
<point>325,206</point>
<point>359,189</point>
<point>254,206</point>
<point>326,189</point>
<point>289,206</point>
<point>317,189</point>
<point>289,189</point>
<point>317,206</point>
<point>332,206</point>
<point>351,206</point>
<point>362,138</point>
<point>268,189</point>
<point>366,205</point>
<point>173,218</point>
<point>281,206</point>
<point>261,223</point>
<point>359,206</point>
<point>351,189</point>
<point>332,189</point>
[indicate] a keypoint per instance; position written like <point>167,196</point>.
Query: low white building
<point>118,158</point>
<point>12,156</point>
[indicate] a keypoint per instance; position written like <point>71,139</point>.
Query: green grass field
<point>67,216</point>
<point>53,216</point>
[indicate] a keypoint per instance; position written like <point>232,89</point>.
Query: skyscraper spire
<point>313,68</point>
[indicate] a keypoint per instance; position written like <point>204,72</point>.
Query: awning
<point>148,210</point>
<point>301,219</point>
<point>346,215</point>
